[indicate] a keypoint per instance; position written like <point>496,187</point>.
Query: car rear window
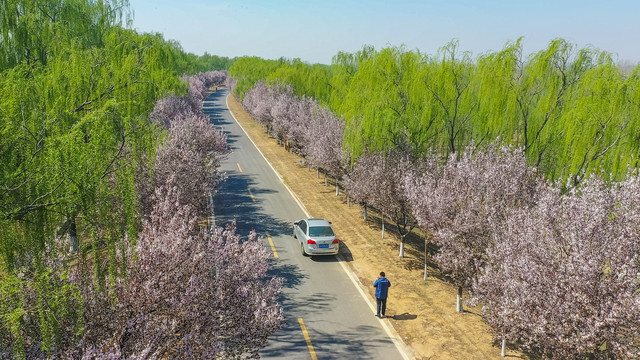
<point>320,231</point>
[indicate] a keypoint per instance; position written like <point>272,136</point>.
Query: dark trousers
<point>382,303</point>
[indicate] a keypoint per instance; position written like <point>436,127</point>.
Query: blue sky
<point>314,31</point>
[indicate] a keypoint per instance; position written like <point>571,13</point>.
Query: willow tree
<point>32,30</point>
<point>628,154</point>
<point>545,81</point>
<point>448,81</point>
<point>495,83</point>
<point>74,130</point>
<point>344,67</point>
<point>249,70</point>
<point>307,80</point>
<point>595,122</point>
<point>382,109</point>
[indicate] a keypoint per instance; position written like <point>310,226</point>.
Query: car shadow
<point>324,258</point>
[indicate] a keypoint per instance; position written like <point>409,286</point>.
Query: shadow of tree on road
<point>363,340</point>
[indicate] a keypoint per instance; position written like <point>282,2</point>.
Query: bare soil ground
<point>422,312</point>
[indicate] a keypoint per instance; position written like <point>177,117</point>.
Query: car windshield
<point>320,231</point>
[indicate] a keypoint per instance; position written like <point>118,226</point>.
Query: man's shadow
<point>405,316</point>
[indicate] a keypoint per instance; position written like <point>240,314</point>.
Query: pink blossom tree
<point>192,154</point>
<point>230,83</point>
<point>282,110</point>
<point>564,277</point>
<point>171,107</point>
<point>378,180</point>
<point>258,102</point>
<point>200,83</point>
<point>463,201</point>
<point>323,142</point>
<point>187,293</point>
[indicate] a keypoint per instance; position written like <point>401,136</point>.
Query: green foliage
<point>249,70</point>
<point>32,31</point>
<point>39,304</point>
<point>572,111</point>
<point>308,80</point>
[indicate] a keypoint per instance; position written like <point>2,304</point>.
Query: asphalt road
<point>318,294</point>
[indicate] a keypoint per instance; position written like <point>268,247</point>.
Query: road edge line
<point>295,197</point>
<point>394,336</point>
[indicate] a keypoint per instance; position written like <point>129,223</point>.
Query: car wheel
<point>302,250</point>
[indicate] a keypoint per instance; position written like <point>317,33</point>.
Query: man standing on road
<point>382,290</point>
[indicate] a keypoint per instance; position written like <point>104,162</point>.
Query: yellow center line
<point>239,168</point>
<point>251,194</point>
<point>273,247</point>
<point>308,339</point>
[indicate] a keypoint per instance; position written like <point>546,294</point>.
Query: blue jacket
<point>382,288</point>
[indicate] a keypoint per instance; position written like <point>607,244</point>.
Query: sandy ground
<point>422,312</point>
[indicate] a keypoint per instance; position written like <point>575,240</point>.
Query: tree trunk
<point>73,233</point>
<point>504,347</point>
<point>459,298</point>
<point>366,217</point>
<point>401,254</point>
<point>317,173</point>
<point>337,188</point>
<point>425,259</point>
<point>382,224</point>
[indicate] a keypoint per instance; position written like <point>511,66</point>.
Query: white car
<point>316,237</point>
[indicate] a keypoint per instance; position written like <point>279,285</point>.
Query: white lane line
<point>397,341</point>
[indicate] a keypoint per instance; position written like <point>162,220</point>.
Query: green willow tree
<point>548,79</point>
<point>448,80</point>
<point>309,80</point>
<point>31,31</point>
<point>383,107</point>
<point>76,126</point>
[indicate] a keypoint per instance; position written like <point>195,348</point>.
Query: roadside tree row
<point>555,265</point>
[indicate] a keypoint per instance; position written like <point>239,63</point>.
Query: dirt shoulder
<point>422,312</point>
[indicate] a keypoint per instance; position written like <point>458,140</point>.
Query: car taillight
<point>311,242</point>
<point>335,241</point>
